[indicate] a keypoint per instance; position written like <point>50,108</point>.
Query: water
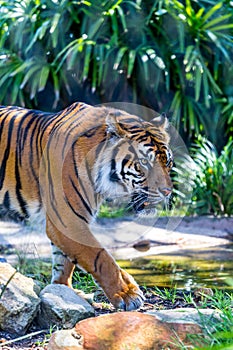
<point>187,269</point>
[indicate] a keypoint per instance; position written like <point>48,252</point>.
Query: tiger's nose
<point>166,191</point>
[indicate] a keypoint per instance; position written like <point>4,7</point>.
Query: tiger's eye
<point>143,161</point>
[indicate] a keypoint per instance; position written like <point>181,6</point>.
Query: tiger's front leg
<point>120,288</point>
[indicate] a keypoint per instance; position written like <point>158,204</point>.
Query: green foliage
<point>170,55</point>
<point>220,336</point>
<point>110,211</point>
<point>203,184</point>
<point>166,293</point>
<point>212,193</point>
<point>39,270</point>
<point>84,282</point>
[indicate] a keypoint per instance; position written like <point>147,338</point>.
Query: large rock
<point>60,305</point>
<point>19,301</point>
<point>120,331</point>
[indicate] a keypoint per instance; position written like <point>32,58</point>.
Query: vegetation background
<point>174,56</point>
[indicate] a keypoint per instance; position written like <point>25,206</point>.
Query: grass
<point>84,281</point>
<point>221,335</point>
<point>169,294</point>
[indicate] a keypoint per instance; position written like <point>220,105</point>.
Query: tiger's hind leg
<point>63,268</point>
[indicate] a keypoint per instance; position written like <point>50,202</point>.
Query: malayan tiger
<point>64,165</point>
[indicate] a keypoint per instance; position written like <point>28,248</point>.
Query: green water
<point>211,268</point>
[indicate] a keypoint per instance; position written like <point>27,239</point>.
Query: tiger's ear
<point>161,121</point>
<point>113,127</point>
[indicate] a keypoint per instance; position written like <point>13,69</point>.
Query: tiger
<point>61,166</point>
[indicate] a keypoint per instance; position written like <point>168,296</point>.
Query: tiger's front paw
<point>129,297</point>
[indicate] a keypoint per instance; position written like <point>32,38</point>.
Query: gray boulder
<point>19,301</point>
<point>62,307</point>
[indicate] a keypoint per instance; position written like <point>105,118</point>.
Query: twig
<point>22,338</point>
<point>5,286</point>
<point>221,206</point>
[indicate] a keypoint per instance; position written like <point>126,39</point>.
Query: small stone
<point>60,305</point>
<point>120,331</point>
<point>19,301</point>
<point>202,293</point>
<point>65,339</point>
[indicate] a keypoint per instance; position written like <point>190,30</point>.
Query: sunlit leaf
<point>122,17</point>
<point>87,64</point>
<point>198,80</point>
<point>212,11</point>
<point>54,22</point>
<point>215,21</point>
<point>131,61</point>
<point>119,57</point>
<point>95,27</point>
<point>56,88</point>
<point>222,27</point>
<point>43,77</point>
<point>28,76</point>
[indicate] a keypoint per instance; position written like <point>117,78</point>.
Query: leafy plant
<point>220,336</point>
<point>170,55</point>
<point>166,293</point>
<point>212,193</point>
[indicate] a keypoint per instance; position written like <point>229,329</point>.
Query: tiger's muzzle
<point>145,200</point>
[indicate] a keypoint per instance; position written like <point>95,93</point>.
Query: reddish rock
<point>122,330</point>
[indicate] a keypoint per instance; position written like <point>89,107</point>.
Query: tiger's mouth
<point>144,201</point>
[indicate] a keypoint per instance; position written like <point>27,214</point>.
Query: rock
<point>202,317</point>
<point>120,331</point>
<point>65,340</point>
<point>60,305</point>
<point>19,301</point>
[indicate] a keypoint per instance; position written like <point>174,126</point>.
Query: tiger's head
<point>136,160</point>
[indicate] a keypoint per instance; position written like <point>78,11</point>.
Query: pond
<point>186,269</point>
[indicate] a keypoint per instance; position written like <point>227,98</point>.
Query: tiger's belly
<point>11,209</point>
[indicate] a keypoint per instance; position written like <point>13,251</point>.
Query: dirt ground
<point>122,236</point>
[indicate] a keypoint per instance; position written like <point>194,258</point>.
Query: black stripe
<point>52,198</point>
<point>75,212</point>
<point>6,200</point>
<point>96,259</point>
<point>77,177</point>
<point>7,152</point>
<point>89,175</point>
<point>81,197</point>
<point>113,174</point>
<point>18,186</point>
